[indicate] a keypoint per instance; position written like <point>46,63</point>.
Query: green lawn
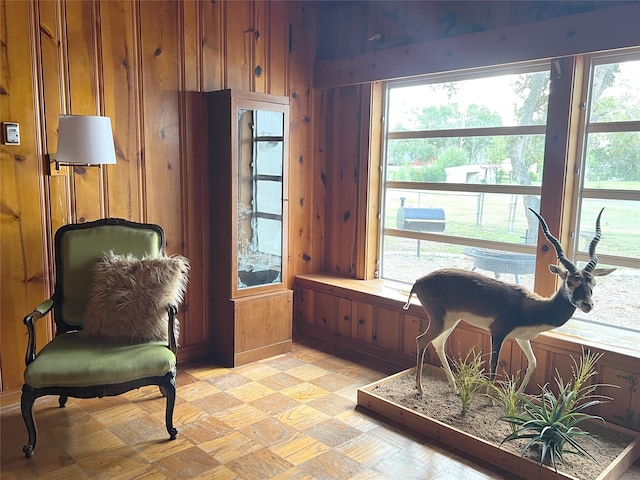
<point>502,217</point>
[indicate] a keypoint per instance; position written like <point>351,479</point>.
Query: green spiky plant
<point>505,393</point>
<point>552,421</point>
<point>582,371</point>
<point>470,378</point>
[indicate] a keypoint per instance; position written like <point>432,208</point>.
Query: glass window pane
<point>503,100</point>
<point>616,92</point>
<point>269,123</point>
<point>620,225</point>
<point>268,197</point>
<point>269,239</point>
<point>486,216</point>
<point>491,160</point>
<point>406,260</point>
<point>269,158</point>
<point>613,161</point>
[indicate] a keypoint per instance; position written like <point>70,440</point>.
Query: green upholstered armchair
<point>76,364</point>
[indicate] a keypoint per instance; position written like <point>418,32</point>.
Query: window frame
<point>442,77</point>
<point>561,181</point>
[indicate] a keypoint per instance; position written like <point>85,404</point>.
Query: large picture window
<point>463,162</point>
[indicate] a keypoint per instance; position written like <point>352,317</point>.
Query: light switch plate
<point>10,133</point>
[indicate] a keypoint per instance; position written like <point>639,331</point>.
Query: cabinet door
<point>624,408</point>
<point>413,326</point>
<point>387,330</point>
<point>263,322</point>
<point>344,322</point>
<point>364,325</point>
<point>326,311</point>
<point>304,305</point>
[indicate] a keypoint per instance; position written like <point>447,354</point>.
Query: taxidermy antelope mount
<point>505,310</point>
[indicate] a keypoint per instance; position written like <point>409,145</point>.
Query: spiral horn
<point>556,244</point>
<point>593,258</point>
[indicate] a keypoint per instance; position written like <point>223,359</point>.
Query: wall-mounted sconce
<point>83,140</point>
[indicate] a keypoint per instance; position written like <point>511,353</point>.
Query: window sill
<point>619,340</point>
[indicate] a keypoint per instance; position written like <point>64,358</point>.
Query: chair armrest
<point>39,312</point>
<point>172,311</point>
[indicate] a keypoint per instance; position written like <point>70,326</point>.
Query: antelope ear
<point>561,272</point>
<point>601,272</point>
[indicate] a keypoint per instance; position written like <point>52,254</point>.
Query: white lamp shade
<point>86,140</point>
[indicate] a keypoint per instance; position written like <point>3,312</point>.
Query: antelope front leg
<point>525,345</point>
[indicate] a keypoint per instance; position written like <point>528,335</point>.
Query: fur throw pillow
<point>128,297</point>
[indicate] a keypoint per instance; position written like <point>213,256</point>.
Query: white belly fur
<point>470,318</point>
<point>524,333</point>
<point>529,333</point>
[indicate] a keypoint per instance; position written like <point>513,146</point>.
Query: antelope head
<point>577,283</point>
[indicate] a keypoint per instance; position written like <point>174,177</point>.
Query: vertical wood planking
<point>276,70</point>
<point>191,33</point>
<point>306,191</point>
<point>194,153</point>
<point>239,44</point>
<point>212,46</point>
<point>79,43</point>
<point>121,104</point>
<point>161,146</point>
<point>259,39</point>
<point>21,236</point>
<point>342,179</point>
<point>58,194</point>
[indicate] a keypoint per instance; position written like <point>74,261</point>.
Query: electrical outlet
<point>11,133</point>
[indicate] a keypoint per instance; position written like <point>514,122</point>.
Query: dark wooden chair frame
<point>166,383</point>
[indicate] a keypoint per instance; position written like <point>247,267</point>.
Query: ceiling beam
<point>599,30</point>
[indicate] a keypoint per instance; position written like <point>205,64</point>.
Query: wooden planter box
<point>473,446</point>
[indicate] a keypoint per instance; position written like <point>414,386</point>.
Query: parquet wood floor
<point>289,417</point>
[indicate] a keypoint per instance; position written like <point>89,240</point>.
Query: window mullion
<point>559,152</point>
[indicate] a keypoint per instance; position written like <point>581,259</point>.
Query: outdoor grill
<point>420,219</point>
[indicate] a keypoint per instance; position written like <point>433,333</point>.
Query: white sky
<point>496,93</point>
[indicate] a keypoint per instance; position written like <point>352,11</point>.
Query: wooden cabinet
<point>248,154</point>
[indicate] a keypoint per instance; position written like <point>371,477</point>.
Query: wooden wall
<point>143,63</point>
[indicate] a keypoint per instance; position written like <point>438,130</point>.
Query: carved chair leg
<point>169,391</point>
<point>26,405</point>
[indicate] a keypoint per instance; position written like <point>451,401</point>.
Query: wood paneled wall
<point>144,63</point>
